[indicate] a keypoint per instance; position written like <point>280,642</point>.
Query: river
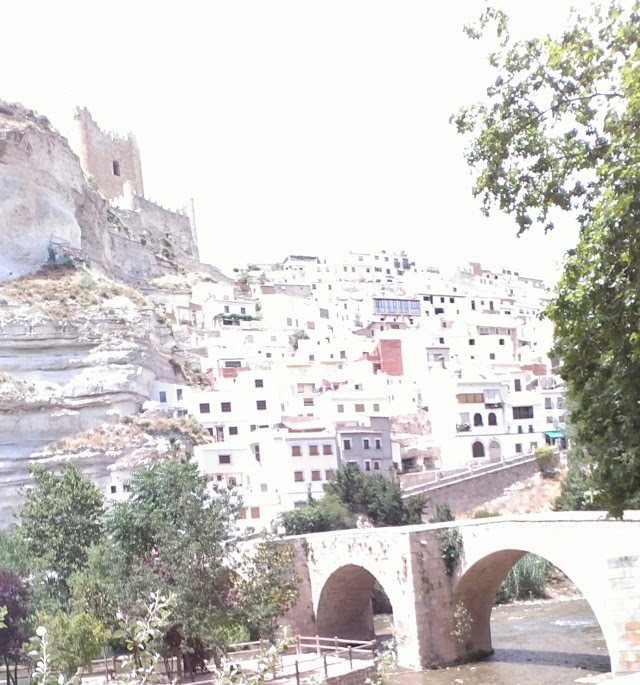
<point>537,643</point>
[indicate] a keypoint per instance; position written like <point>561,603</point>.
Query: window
<point>518,448</point>
<point>259,383</point>
<point>308,401</point>
<point>520,429</point>
<point>492,355</point>
<point>517,384</point>
<point>341,409</point>
<point>252,427</point>
<point>243,310</point>
<point>289,322</point>
<point>224,459</point>
<point>477,450</point>
<point>255,512</point>
<point>226,309</point>
<point>366,444</point>
<point>522,413</point>
<point>327,449</point>
<point>533,446</point>
<point>441,341</point>
<point>367,465</point>
<point>116,168</point>
<point>477,419</point>
<point>233,430</point>
<point>243,513</point>
<point>219,433</point>
<point>225,407</point>
<point>360,408</point>
<point>376,465</point>
<point>261,404</point>
<point>530,428</point>
<point>179,394</point>
<point>548,404</point>
<point>205,409</point>
<point>315,476</point>
<point>210,431</point>
<point>298,476</point>
<point>126,487</point>
<point>378,444</point>
<point>501,341</point>
<point>473,304</point>
<point>492,420</point>
<point>314,450</point>
<point>311,325</point>
<point>296,451</point>
<point>549,419</point>
<point>114,489</point>
<point>162,396</point>
<point>346,444</point>
<point>312,357</point>
<point>472,341</point>
<point>329,474</point>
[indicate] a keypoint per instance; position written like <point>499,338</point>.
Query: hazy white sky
<point>297,126</point>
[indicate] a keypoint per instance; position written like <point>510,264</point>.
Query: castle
<point>114,164</point>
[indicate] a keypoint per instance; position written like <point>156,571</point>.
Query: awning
<point>554,434</point>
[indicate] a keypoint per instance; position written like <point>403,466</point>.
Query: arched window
<point>477,419</point>
<point>492,419</point>
<point>477,450</point>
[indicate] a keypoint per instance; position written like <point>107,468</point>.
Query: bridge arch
<point>477,587</point>
<point>344,607</point>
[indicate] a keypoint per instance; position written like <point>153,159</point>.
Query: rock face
<point>79,349</point>
<point>76,351</point>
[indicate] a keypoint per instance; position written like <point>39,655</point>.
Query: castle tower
<point>110,159</point>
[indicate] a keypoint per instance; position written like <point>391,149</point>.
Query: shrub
<point>526,580</point>
<point>484,514</point>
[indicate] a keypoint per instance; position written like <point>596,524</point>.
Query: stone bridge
<point>338,571</point>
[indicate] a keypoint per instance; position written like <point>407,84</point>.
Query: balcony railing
<point>463,428</point>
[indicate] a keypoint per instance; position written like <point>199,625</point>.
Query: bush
<point>484,514</point>
<point>526,580</point>
<point>443,514</point>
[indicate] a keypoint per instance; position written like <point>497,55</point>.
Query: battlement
<point>108,157</point>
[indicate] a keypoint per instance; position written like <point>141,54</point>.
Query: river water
<point>538,643</point>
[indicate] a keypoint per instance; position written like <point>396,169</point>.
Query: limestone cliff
<point>45,198</point>
<point>79,347</point>
<point>76,351</point>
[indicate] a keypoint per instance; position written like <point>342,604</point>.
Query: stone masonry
<point>441,619</point>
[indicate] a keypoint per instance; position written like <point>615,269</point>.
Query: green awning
<point>554,434</point>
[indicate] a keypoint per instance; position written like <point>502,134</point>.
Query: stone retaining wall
<point>478,488</point>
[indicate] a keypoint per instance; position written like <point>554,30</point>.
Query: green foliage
<point>175,534</point>
<point>268,585</point>
<point>559,132</point>
<point>544,454</point>
<point>374,496</point>
<point>577,489</point>
<point>79,638</point>
<point>443,514</point>
<point>484,514</point>
<point>451,547</point>
<point>318,516</point>
<point>60,519</point>
<point>526,580</point>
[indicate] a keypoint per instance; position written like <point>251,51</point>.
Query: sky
<point>298,126</point>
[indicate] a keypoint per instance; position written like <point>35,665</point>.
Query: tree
<point>60,519</point>
<point>79,638</point>
<point>268,585</point>
<point>559,131</point>
<point>15,598</point>
<point>376,497</point>
<point>177,533</point>
<point>318,516</point>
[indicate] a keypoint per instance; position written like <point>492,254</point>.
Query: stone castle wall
<point>110,159</point>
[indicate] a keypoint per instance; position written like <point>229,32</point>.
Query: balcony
<point>463,428</point>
